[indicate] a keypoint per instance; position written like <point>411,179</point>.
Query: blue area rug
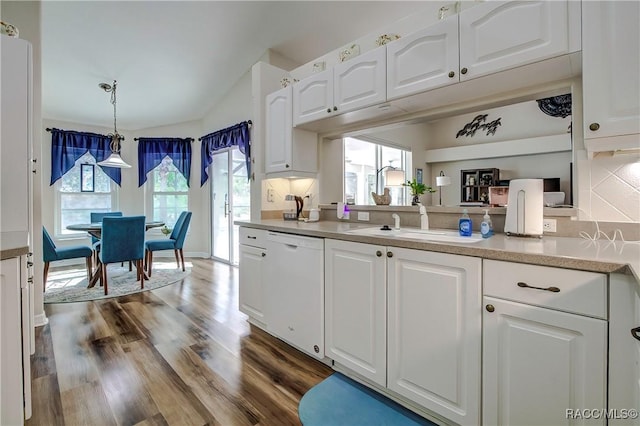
<point>340,401</point>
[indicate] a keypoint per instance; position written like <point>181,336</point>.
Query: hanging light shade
<point>114,160</point>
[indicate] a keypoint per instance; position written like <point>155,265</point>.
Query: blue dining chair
<point>51,253</point>
<point>175,242</point>
<point>96,217</point>
<point>122,240</point>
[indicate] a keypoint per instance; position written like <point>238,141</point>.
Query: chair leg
<point>129,266</point>
<point>182,259</point>
<point>89,260</point>
<point>150,263</point>
<point>139,264</point>
<point>44,278</point>
<point>175,251</point>
<point>104,278</point>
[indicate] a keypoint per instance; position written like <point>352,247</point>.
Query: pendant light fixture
<point>114,160</point>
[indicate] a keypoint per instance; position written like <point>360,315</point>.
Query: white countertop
<point>571,253</point>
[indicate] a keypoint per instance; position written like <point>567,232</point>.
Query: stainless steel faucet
<point>424,218</point>
<point>396,218</point>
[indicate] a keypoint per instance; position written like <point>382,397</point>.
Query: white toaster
<point>525,208</point>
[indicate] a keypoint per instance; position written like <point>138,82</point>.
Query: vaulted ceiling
<point>174,60</point>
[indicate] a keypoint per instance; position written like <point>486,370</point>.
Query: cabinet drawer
<point>562,289</point>
<point>253,237</point>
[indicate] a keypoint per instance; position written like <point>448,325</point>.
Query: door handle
<point>635,332</point>
<point>226,204</point>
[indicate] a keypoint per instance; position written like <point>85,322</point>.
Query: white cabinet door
<point>15,135</point>
<point>360,82</point>
<point>251,273</point>
<point>279,136</point>
<point>11,373</point>
<point>611,68</point>
<point>313,97</point>
<point>498,35</point>
<point>287,150</point>
<point>423,60</point>
<point>355,307</point>
<point>537,363</point>
<point>434,329</point>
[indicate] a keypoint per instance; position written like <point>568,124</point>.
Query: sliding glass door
<point>230,201</point>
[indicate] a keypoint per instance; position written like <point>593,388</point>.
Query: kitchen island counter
<point>572,253</point>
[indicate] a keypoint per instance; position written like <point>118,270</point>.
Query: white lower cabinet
<point>434,329</point>
<point>356,307</point>
<point>251,272</point>
<point>428,349</point>
<point>542,366</point>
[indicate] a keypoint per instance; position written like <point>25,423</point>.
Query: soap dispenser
<point>464,224</point>
<point>486,227</point>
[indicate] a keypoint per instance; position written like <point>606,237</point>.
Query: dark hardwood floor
<point>179,355</point>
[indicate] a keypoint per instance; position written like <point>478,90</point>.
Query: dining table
<point>95,229</point>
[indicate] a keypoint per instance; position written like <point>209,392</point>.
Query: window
<point>75,205</point>
<point>361,161</point>
<point>169,193</point>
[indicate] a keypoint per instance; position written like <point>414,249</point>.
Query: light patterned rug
<point>70,285</point>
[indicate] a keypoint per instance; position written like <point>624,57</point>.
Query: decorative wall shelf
<point>538,145</point>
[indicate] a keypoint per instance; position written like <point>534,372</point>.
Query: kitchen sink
<point>442,235</point>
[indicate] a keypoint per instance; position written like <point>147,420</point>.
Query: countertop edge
<point>13,252</point>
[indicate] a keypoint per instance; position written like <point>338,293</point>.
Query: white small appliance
<point>525,208</point>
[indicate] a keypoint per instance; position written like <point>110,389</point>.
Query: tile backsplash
<point>615,188</point>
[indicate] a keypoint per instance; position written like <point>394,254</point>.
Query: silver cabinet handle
<point>551,289</point>
<point>250,237</point>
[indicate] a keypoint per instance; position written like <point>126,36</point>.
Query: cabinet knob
<point>335,108</point>
<point>635,331</point>
<point>451,74</point>
<point>389,254</point>
<point>29,264</point>
<point>594,126</point>
<point>316,349</point>
<point>264,254</point>
<point>379,253</point>
<point>463,71</point>
<point>329,110</point>
<point>490,308</point>
<point>286,165</point>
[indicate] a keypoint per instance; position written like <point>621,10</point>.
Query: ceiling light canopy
<point>114,160</point>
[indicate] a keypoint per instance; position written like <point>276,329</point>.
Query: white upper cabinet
<point>350,85</point>
<point>361,81</point>
<point>287,149</point>
<point>313,97</point>
<point>498,35</point>
<point>15,136</point>
<point>423,60</point>
<point>611,70</point>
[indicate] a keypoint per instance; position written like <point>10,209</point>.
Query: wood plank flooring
<point>179,355</point>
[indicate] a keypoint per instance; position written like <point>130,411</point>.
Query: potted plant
<point>165,230</point>
<point>417,189</point>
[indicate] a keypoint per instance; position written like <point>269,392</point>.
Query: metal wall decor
<point>556,106</point>
<point>478,123</point>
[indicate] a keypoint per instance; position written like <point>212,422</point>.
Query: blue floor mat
<point>340,401</point>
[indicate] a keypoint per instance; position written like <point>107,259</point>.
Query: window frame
<point>149,191</point>
<point>113,191</point>
<point>406,164</point>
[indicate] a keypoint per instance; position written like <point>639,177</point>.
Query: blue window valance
<point>151,152</point>
<point>237,135</point>
<point>69,145</point>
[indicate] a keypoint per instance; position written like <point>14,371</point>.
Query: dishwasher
<point>294,291</point>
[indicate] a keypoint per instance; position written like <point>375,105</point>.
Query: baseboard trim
<point>40,320</point>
